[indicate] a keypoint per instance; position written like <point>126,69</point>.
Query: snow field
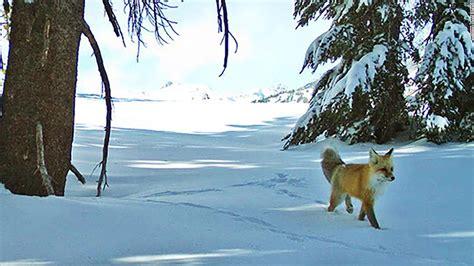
<point>206,183</point>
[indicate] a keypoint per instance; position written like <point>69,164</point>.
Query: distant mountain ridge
<point>278,94</point>
<point>285,95</point>
<point>178,92</point>
<point>174,91</point>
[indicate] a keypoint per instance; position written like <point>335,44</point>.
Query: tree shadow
<point>138,155</point>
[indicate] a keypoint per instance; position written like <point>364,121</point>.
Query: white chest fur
<point>378,183</point>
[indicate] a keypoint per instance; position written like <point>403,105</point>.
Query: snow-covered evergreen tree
<point>445,100</point>
<point>361,98</point>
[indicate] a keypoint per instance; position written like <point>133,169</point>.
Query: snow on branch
<point>360,75</point>
<point>362,72</point>
<point>436,122</point>
<point>342,82</point>
<point>451,52</point>
<point>318,51</point>
<point>345,7</point>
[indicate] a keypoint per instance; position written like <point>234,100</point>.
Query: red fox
<point>363,181</point>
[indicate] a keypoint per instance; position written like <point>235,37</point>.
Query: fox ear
<point>374,156</point>
<point>389,153</point>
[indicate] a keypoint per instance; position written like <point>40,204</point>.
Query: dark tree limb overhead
<point>140,11</point>
<point>113,19</point>
<point>223,26</point>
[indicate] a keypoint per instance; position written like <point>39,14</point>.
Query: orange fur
<point>362,181</point>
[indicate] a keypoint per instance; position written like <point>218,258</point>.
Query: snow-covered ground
<point>206,183</point>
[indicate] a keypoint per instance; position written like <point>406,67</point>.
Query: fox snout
<point>385,176</point>
<point>388,176</point>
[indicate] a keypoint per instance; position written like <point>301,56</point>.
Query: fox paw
<point>350,209</point>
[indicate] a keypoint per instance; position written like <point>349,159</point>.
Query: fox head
<point>382,164</point>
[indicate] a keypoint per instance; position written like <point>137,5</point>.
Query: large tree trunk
<point>40,87</point>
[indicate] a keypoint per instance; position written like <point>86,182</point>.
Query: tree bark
<point>40,87</point>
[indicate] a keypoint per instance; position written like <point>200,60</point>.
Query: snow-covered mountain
<point>260,95</point>
<point>182,92</point>
<point>172,92</point>
<point>285,95</point>
<point>278,94</point>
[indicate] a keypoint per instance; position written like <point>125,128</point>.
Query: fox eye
<point>391,169</point>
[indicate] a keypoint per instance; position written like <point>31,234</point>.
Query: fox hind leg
<point>349,206</point>
<point>335,200</point>
<point>362,214</point>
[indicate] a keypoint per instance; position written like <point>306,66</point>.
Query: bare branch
<point>223,26</point>
<point>78,174</point>
<point>219,17</point>
<point>102,182</point>
<point>113,19</point>
<point>153,12</point>
<point>45,177</point>
<point>6,6</point>
<point>235,41</point>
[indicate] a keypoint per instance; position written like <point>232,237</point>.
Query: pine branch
<point>102,182</point>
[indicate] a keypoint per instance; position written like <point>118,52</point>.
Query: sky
<point>270,51</point>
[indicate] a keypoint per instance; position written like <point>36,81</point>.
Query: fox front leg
<point>361,214</point>
<point>369,210</point>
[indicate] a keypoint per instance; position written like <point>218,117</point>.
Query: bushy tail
<point>331,160</point>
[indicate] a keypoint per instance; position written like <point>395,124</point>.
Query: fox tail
<point>331,160</point>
